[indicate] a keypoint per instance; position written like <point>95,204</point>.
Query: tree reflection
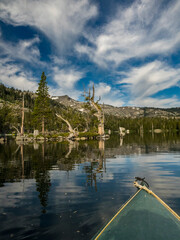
<point>97,166</point>
<point>22,160</point>
<point>43,184</point>
<point>34,160</point>
<point>72,145</point>
<point>43,181</point>
<point>10,168</point>
<point>71,155</point>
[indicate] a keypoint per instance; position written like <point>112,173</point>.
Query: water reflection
<point>96,166</point>
<point>46,189</point>
<point>43,181</point>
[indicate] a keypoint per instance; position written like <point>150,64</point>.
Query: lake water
<point>70,190</point>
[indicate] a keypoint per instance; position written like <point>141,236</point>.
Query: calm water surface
<point>70,190</point>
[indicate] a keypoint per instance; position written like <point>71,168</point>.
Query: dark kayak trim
<point>141,188</point>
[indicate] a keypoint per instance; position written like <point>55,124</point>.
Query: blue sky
<point>129,49</point>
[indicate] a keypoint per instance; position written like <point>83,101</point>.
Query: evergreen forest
<point>41,112</point>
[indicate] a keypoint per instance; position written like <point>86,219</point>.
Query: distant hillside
<point>13,95</point>
<point>121,112</point>
<point>79,116</point>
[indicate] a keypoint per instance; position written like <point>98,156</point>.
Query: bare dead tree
<point>99,111</point>
<point>16,129</point>
<point>22,121</point>
<point>72,132</point>
<point>72,145</point>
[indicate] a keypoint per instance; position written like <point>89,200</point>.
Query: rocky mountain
<point>131,112</point>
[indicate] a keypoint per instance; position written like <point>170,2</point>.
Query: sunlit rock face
<point>132,112</point>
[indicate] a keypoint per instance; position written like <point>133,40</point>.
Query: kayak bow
<point>143,217</point>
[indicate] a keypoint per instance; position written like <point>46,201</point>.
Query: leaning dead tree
<point>73,132</point>
<point>16,130</point>
<point>90,98</point>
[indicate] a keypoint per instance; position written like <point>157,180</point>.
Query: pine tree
<point>42,110</point>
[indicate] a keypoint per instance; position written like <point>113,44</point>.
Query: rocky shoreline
<point>58,138</point>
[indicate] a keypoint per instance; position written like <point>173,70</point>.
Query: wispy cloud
<point>25,50</point>
<point>61,21</point>
<point>145,81</point>
<point>143,31</point>
<point>145,28</point>
<point>101,88</point>
<point>108,94</point>
<point>14,75</point>
<point>66,80</point>
<point>156,102</point>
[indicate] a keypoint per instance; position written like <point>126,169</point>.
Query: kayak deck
<point>145,217</point>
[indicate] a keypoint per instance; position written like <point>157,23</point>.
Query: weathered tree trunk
<point>152,130</point>
<point>72,132</point>
<point>22,122</point>
<point>100,116</point>
<point>141,130</point>
<point>101,144</point>
<point>16,130</point>
<point>72,145</point>
<point>85,130</point>
<point>99,112</point>
<point>22,160</point>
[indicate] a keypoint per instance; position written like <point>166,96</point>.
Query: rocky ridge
<point>126,112</point>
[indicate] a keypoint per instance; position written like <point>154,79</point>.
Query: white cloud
<point>108,94</point>
<point>62,21</point>
<point>101,88</point>
<point>59,61</point>
<point>66,80</point>
<point>145,28</point>
<point>155,102</point>
<point>140,30</point>
<point>13,75</point>
<point>24,50</point>
<point>142,82</point>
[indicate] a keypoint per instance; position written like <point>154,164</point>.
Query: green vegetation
<point>5,117</point>
<point>88,134</point>
<point>15,96</point>
<point>134,124</point>
<point>10,109</point>
<point>41,113</point>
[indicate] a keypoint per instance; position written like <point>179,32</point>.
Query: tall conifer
<point>42,105</point>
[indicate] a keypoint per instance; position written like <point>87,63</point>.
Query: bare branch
<point>99,113</point>
<point>16,129</point>
<point>66,121</point>
<point>93,93</point>
<point>72,132</point>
